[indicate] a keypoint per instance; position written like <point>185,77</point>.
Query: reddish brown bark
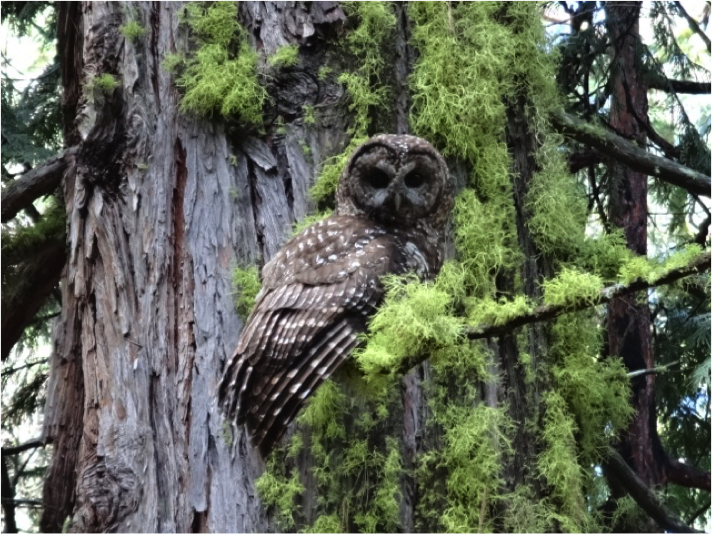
<point>628,318</point>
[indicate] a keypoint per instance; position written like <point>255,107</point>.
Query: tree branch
<point>547,312</point>
<point>630,154</point>
<point>40,275</point>
<point>33,503</point>
<point>17,449</point>
<point>40,181</point>
<point>642,494</point>
<point>694,26</point>
<point>680,86</point>
<point>685,475</point>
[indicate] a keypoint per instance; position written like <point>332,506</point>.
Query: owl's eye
<point>413,180</point>
<point>377,179</point>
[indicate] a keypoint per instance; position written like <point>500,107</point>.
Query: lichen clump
<point>217,79</point>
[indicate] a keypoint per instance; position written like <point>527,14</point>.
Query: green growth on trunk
<point>221,77</point>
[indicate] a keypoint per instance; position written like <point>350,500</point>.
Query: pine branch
<point>617,467</point>
<point>41,180</point>
<point>547,312</point>
<point>632,155</point>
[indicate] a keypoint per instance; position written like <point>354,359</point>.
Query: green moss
<point>474,440</point>
<point>105,83</point>
<point>132,30</point>
<point>596,392</point>
<point>414,317</point>
<point>640,268</point>
<point>559,465</point>
<point>246,284</point>
<point>326,523</point>
<point>556,204</point>
<point>280,491</point>
<point>571,286</point>
<point>173,62</point>
<point>285,56</point>
<point>308,117</point>
<point>488,311</point>
<point>324,72</point>
<point>216,79</point>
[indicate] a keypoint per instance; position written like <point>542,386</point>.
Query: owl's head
<point>396,179</point>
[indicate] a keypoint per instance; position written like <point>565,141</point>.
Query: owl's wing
<point>317,295</point>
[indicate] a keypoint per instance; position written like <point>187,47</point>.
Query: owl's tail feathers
<point>232,389</point>
<point>277,404</point>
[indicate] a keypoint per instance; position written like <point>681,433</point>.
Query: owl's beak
<point>397,201</point>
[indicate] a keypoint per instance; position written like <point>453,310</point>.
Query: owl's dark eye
<point>377,179</point>
<point>413,180</point>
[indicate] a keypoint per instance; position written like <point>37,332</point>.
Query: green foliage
<point>559,465</point>
<point>285,56</point>
<point>279,490</point>
<point>173,62</point>
<point>31,119</point>
<point>571,286</point>
<point>246,284</point>
<point>597,392</point>
<point>132,30</point>
<point>216,79</point>
<point>474,442</point>
<point>640,268</point>
<point>105,83</point>
<point>308,117</point>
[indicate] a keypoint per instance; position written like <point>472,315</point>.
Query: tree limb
<point>679,86</point>
<point>630,154</point>
<point>40,181</point>
<point>694,26</point>
<point>547,312</point>
<point>40,275</point>
<point>686,475</point>
<point>617,467</point>
<point>17,449</point>
<point>550,311</point>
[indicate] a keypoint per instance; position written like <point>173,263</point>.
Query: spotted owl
<point>392,204</point>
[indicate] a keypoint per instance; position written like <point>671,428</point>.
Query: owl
<point>392,205</point>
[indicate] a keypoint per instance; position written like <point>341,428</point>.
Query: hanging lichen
<point>216,79</point>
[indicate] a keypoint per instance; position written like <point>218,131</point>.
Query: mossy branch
<point>547,312</point>
<point>632,155</point>
<point>617,467</point>
<point>42,180</point>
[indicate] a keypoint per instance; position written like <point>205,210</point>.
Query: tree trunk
<point>628,318</point>
<point>161,206</point>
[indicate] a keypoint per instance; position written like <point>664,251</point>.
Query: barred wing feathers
<point>318,293</point>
